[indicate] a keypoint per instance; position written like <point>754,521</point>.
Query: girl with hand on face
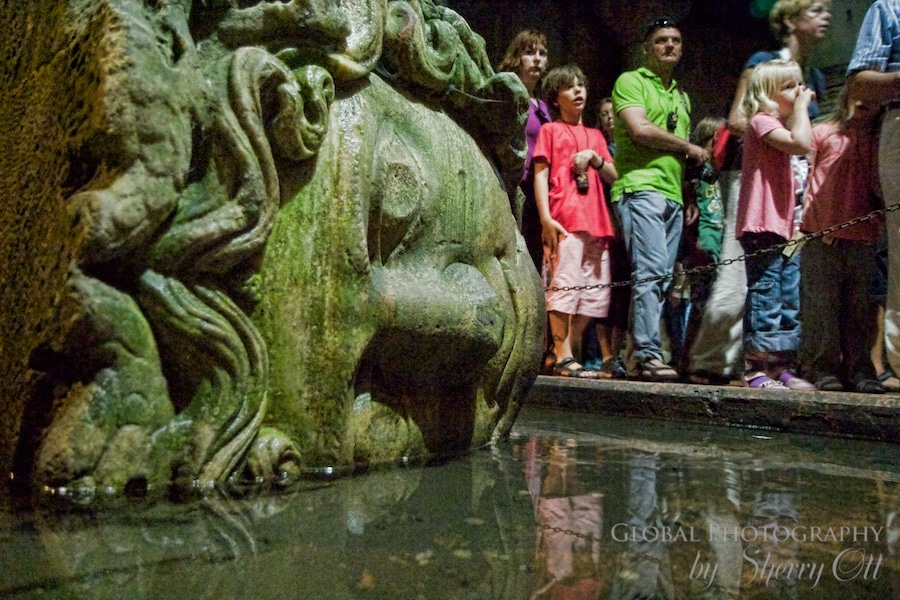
<point>800,25</point>
<point>776,108</point>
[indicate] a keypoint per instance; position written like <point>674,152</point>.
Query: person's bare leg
<point>560,330</point>
<point>892,383</point>
<point>605,337</point>
<point>877,352</point>
<point>577,325</point>
<point>690,334</point>
<point>617,340</point>
<point>567,331</point>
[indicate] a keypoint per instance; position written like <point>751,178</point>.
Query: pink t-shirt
<point>556,144</point>
<point>766,202</point>
<point>844,173</point>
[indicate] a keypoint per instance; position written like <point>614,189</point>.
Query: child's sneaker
<point>759,380</point>
<point>793,382</point>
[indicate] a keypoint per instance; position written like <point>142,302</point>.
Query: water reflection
<point>569,519</point>
<point>571,508</point>
<point>714,514</point>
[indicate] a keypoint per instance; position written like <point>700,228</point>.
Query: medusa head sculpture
<point>289,246</point>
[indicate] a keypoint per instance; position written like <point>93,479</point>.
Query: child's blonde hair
<point>765,81</point>
<point>843,110</point>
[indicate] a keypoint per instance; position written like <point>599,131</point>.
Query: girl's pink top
<point>767,199</point>
<point>842,182</point>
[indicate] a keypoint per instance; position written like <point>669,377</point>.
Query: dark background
<point>603,37</point>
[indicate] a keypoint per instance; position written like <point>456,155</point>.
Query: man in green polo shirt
<point>652,128</point>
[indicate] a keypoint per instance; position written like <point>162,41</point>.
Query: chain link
<point>713,266</point>
<point>584,536</point>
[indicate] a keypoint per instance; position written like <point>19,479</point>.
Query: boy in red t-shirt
<point>569,160</point>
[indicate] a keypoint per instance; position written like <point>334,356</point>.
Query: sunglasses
<point>658,24</point>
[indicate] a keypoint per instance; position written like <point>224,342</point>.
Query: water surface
<point>572,507</point>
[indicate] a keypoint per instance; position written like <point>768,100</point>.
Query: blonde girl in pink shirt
<point>775,103</point>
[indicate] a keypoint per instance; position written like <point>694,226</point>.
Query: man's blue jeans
<point>772,309</point>
<point>651,224</point>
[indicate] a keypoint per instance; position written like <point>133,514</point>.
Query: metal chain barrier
<point>590,538</point>
<point>713,266</point>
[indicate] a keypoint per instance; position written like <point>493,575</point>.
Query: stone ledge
<point>833,414</point>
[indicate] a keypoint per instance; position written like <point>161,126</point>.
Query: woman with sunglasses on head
<point>800,25</point>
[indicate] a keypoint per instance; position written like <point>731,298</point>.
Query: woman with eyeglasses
<point>800,25</point>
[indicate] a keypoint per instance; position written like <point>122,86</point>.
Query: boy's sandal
<point>656,370</point>
<point>568,368</point>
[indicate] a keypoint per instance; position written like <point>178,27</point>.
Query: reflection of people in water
<point>721,516</point>
<point>888,494</point>
<point>646,570</point>
<point>774,505</point>
<point>569,528</point>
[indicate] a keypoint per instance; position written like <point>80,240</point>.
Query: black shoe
<point>867,385</point>
<point>614,368</point>
<point>829,383</point>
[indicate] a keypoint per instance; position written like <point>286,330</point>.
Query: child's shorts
<point>581,260</point>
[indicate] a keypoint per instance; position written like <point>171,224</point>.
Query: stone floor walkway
<point>833,414</point>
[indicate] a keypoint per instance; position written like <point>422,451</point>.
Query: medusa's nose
<point>437,324</point>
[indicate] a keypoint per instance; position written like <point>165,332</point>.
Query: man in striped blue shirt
<point>874,76</point>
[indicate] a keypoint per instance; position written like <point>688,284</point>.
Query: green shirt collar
<point>651,75</point>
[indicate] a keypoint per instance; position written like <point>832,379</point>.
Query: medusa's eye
<point>395,207</point>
